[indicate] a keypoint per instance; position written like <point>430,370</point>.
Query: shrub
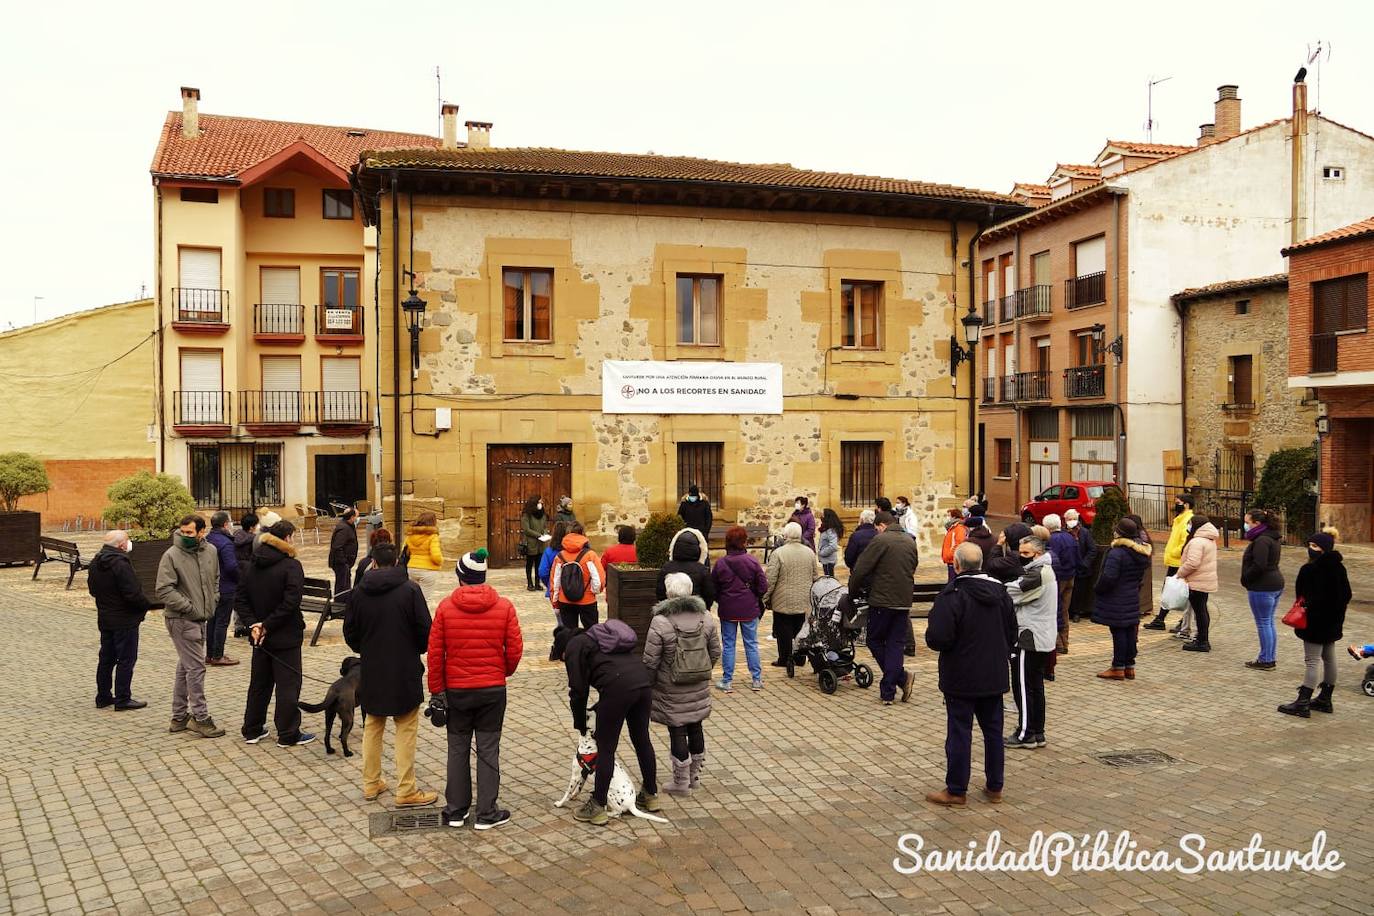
<point>1285,483</point>
<point>651,547</point>
<point>21,474</point>
<point>1111,505</point>
<point>152,504</point>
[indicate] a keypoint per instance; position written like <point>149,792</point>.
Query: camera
<point>437,711</point>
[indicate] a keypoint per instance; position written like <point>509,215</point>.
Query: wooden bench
<point>56,551</point>
<point>319,598</point>
<point>759,538</point>
<point>923,596</point>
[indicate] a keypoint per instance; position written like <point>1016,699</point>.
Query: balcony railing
<point>345,321</point>
<point>989,389</point>
<point>278,318</point>
<point>200,408</point>
<point>1324,352</point>
<point>989,313</point>
<point>1089,289</point>
<point>1030,386</point>
<point>201,306</point>
<point>342,408</point>
<point>1085,381</point>
<point>1033,302</point>
<point>1007,309</point>
<point>304,408</point>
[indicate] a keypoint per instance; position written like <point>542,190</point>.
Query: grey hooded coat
<point>678,704</point>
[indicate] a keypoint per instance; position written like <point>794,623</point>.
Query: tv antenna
<point>1315,55</point>
<point>1150,107</point>
<point>438,101</point>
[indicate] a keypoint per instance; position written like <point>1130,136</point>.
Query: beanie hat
<point>472,567</point>
<point>694,490</point>
<point>564,502</point>
<point>1127,528</point>
<point>1323,540</point>
<point>268,519</point>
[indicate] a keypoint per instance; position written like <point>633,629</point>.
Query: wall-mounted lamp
<point>1323,426</point>
<point>414,308</point>
<point>973,325</point>
<point>1117,347</point>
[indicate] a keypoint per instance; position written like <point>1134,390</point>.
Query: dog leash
<point>290,667</point>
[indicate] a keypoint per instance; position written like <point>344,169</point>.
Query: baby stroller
<point>827,636</point>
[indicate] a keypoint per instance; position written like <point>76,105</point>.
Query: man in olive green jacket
<point>883,576</point>
<point>188,587</point>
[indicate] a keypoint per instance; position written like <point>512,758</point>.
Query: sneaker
<point>1262,666</point>
<point>756,684</point>
<point>1011,742</point>
<point>179,723</point>
<point>302,738</point>
<point>1040,740</point>
<point>130,703</point>
<point>907,685</point>
<point>456,820</point>
<point>724,686</point>
<point>415,799</point>
<point>592,813</point>
<point>1182,634</point>
<point>495,819</point>
<point>368,795</point>
<point>206,727</point>
<point>646,802</point>
<point>887,702</point>
<point>257,738</point>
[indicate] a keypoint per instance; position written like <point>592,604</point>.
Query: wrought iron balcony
<point>279,318</point>
<point>990,313</point>
<point>1029,386</point>
<point>1007,310</point>
<point>338,321</point>
<point>274,408</point>
<point>1089,289</point>
<point>1033,302</point>
<point>342,408</point>
<point>1085,381</point>
<point>989,389</point>
<point>1324,351</point>
<point>200,306</point>
<point>201,408</point>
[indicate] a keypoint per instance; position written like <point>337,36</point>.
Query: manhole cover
<point>1143,757</point>
<point>391,823</point>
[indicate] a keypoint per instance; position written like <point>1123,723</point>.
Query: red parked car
<point>1061,497</point>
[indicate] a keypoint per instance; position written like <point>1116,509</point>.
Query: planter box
<point>145,557</point>
<point>19,534</point>
<point>630,597</point>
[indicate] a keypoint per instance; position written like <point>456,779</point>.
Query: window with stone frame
<point>703,464</point>
<point>527,309</point>
<point>1240,388</point>
<point>861,304</point>
<point>861,473</point>
<point>699,309</point>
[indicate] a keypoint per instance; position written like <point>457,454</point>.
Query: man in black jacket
<point>120,607</point>
<point>973,627</point>
<point>884,575</point>
<point>268,600</point>
<point>343,551</point>
<point>695,511</point>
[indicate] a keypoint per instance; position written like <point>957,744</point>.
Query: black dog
<point>340,701</point>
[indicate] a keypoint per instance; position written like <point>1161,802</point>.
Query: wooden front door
<point>514,473</point>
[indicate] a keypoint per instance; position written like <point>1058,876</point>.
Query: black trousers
<point>531,568</point>
<point>616,709</point>
<point>577,616</point>
<point>684,740</point>
<point>118,655</point>
<point>1124,641</point>
<point>1028,689</point>
<point>785,628</point>
<point>959,715</point>
<point>1198,602</point>
<point>279,672</point>
<point>480,712</point>
<point>343,578</point>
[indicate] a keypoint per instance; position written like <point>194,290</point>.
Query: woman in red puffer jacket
<point>474,645</point>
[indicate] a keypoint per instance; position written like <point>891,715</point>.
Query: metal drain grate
<point>391,823</point>
<point>1141,757</point>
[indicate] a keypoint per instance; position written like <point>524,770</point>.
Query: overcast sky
<point>980,95</point>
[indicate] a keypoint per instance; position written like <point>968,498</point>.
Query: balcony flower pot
<point>146,555</point>
<point>630,597</point>
<point>19,534</point>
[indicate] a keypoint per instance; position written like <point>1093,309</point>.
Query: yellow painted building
<point>264,321</point>
<point>80,396</point>
<point>537,266</point>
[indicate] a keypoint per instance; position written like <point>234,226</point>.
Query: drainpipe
<point>396,347</point>
<point>1116,322</point>
<point>1016,404</point>
<point>161,346</point>
<point>973,358</point>
<point>1182,310</point>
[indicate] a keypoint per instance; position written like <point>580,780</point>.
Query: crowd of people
<point>999,624</point>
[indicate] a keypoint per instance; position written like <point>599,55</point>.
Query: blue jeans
<point>1263,605</point>
<point>217,627</point>
<point>750,631</point>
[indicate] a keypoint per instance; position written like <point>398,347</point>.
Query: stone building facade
<point>1237,406</point>
<point>495,413</point>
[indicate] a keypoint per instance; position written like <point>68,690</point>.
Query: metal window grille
<point>1094,423</point>
<point>703,464</point>
<point>861,473</point>
<point>1043,424</point>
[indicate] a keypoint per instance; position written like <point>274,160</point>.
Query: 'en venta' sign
<point>690,387</point>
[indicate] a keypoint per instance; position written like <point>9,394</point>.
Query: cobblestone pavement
<point>803,800</point>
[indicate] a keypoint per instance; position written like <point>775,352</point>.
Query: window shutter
<point>1090,257</point>
<point>340,374</point>
<point>199,268</point>
<point>200,371</point>
<point>1356,302</point>
<point>341,380</point>
<point>281,285</point>
<point>281,386</point>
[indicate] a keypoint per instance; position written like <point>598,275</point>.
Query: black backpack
<point>572,584</point>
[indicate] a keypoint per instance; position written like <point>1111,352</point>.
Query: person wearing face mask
<point>534,535</point>
<point>1198,568</point>
<point>1263,581</point>
<point>955,535</point>
<point>120,607</point>
<point>1323,586</point>
<point>901,510</point>
<point>1173,550</point>
<point>187,584</point>
<point>695,512</point>
<point>565,512</point>
<point>1116,596</point>
<point>269,601</point>
<point>1005,563</point>
<point>1035,596</point>
<point>1081,604</point>
<point>802,515</point>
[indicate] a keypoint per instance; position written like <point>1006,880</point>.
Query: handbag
<point>1297,615</point>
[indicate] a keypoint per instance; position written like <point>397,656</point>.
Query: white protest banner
<point>690,387</point>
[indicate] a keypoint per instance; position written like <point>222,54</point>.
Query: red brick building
<point>1330,350</point>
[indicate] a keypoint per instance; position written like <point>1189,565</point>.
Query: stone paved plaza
<point>800,810</point>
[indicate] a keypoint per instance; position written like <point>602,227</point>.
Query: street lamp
<point>973,324</point>
<point>414,308</point>
<point>1117,347</point>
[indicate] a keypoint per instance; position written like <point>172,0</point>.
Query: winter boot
<point>1322,702</point>
<point>681,784</point>
<point>698,767</point>
<point>1302,706</point>
<point>1158,622</point>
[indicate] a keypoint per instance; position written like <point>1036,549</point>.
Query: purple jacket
<point>740,586</point>
<point>807,519</point>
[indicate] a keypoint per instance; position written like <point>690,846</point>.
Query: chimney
<point>1227,112</point>
<point>190,116</point>
<point>1298,135</point>
<point>450,140</point>
<point>1207,133</point>
<point>479,134</point>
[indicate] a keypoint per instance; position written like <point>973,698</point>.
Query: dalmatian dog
<point>620,797</point>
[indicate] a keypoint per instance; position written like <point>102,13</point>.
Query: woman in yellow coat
<point>426,561</point>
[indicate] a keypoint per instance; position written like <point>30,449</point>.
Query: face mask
<point>188,541</point>
<point>1247,526</point>
<point>1178,508</point>
<point>1072,523</point>
<point>691,499</point>
<point>128,547</point>
<point>797,506</point>
<point>1312,554</point>
<point>539,506</point>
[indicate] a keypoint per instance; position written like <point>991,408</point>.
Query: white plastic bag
<point>1174,595</point>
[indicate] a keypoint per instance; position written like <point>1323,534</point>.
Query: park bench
<point>923,596</point>
<point>318,598</point>
<point>759,538</point>
<point>57,551</point>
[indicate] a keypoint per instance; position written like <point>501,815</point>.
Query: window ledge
<point>1348,332</point>
<point>534,350</point>
<point>876,357</point>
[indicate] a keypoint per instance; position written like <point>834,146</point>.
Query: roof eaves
<point>1229,287</point>
<point>1053,209</point>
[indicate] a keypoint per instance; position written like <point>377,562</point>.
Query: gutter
<point>1181,307</point>
<point>973,359</point>
<point>158,383</point>
<point>396,348</point>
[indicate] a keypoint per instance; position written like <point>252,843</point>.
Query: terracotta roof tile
<point>1150,149</point>
<point>1364,227</point>
<point>1031,189</point>
<point>229,145</point>
<point>666,168</point>
<point>1090,171</point>
<point>1231,286</point>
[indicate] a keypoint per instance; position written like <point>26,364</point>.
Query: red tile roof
<point>229,145</point>
<point>1231,286</point>
<point>1030,189</point>
<point>1150,149</point>
<point>1363,228</point>
<point>632,166</point>
<point>1090,171</point>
